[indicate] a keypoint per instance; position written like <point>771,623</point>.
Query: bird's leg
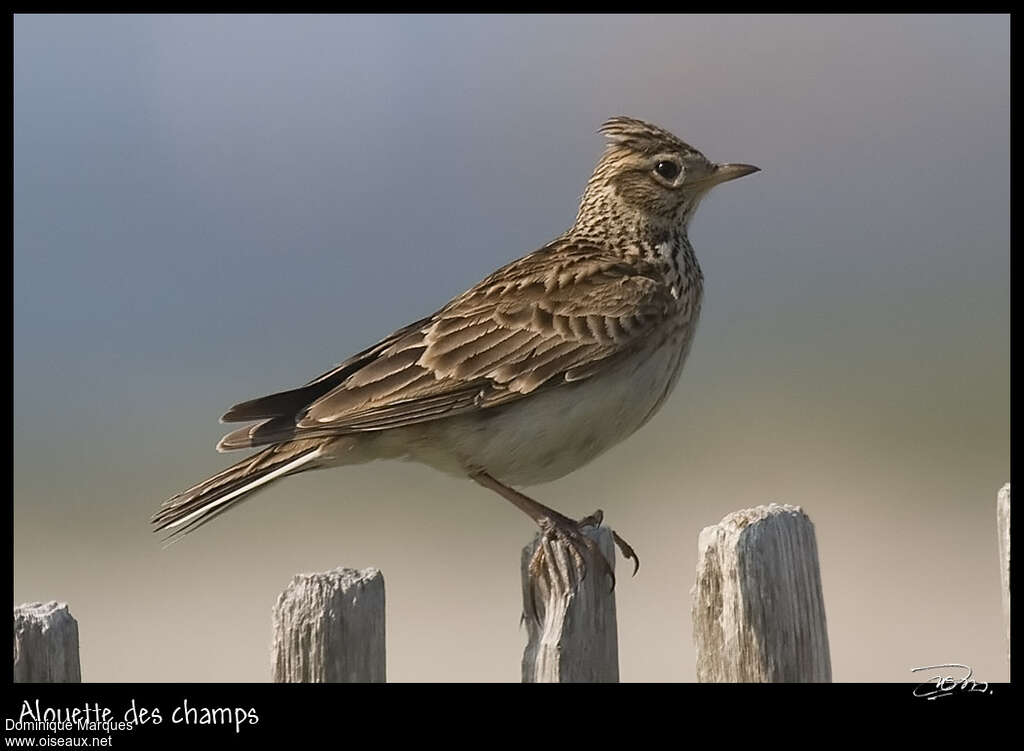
<point>555,526</point>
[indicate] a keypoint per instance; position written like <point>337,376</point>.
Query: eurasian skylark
<point>527,376</point>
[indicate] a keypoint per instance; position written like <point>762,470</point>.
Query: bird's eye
<point>668,170</point>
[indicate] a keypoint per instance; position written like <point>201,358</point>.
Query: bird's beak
<point>726,172</point>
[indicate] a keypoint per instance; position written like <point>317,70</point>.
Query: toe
<point>627,551</point>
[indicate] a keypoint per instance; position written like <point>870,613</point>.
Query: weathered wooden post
<point>329,628</point>
<point>758,611</point>
<point>573,636</point>
<point>45,644</point>
<point>1003,521</point>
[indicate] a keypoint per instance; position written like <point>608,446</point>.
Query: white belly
<point>548,434</point>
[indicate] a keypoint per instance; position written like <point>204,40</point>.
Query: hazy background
<point>212,208</point>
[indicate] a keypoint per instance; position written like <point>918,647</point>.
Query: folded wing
<point>556,316</point>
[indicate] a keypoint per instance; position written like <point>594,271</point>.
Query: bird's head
<point>648,175</point>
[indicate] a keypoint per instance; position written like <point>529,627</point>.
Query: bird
<point>527,376</point>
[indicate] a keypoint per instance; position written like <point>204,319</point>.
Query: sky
<point>210,208</point>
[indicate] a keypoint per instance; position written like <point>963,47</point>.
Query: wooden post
<point>1003,521</point>
<point>576,638</point>
<point>45,644</point>
<point>329,628</point>
<point>758,611</point>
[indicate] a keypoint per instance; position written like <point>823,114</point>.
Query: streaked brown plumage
<point>566,310</point>
<point>540,367</point>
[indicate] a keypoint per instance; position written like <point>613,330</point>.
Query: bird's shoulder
<point>561,267</point>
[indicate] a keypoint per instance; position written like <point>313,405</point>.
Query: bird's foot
<point>575,542</point>
<point>594,520</point>
<point>560,559</point>
<point>560,556</point>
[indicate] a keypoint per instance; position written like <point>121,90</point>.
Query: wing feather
<point>560,315</point>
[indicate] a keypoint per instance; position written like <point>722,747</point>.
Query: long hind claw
<point>627,551</point>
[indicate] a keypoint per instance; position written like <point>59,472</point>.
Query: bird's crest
<point>642,136</point>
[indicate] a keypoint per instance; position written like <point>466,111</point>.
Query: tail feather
<point>200,504</point>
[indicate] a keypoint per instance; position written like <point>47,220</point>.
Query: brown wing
<point>556,316</point>
<point>290,402</point>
